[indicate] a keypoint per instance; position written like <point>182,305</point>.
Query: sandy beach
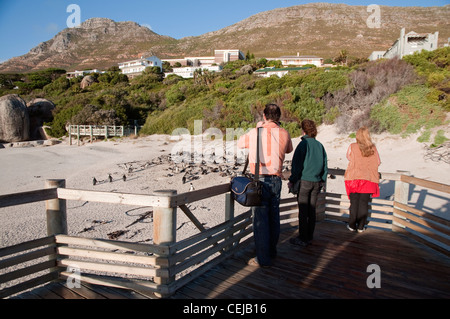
<point>27,168</point>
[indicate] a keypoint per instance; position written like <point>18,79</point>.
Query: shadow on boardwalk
<point>334,266</point>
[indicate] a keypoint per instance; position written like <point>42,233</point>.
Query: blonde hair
<point>365,142</point>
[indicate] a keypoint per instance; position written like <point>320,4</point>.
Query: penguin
<point>110,178</point>
<point>94,181</point>
<point>191,188</point>
<point>124,177</point>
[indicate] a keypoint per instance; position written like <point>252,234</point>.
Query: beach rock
<point>87,81</point>
<point>14,119</point>
<point>40,111</point>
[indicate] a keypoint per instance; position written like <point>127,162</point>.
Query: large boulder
<point>40,111</point>
<point>87,81</point>
<point>14,119</point>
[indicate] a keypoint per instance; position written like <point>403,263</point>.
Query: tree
<point>342,57</point>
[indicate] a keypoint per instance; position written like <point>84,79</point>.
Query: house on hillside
<point>188,72</point>
<point>376,55</point>
<point>225,56</point>
<point>408,43</point>
<point>136,67</point>
<point>300,60</point>
<point>280,72</point>
<point>220,56</point>
<point>74,74</point>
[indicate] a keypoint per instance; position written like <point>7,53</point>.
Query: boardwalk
<point>335,266</point>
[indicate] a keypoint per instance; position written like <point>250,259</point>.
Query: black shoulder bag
<point>245,190</point>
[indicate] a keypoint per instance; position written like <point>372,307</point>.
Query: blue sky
<point>26,23</point>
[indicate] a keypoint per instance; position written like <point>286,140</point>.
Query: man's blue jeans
<point>266,221</point>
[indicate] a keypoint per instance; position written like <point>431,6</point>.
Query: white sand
<point>27,168</point>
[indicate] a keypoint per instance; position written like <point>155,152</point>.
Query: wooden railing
<point>159,269</point>
<point>99,130</point>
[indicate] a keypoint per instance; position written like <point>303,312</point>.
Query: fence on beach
<point>105,131</point>
<point>168,264</point>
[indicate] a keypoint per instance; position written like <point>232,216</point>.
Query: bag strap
<point>257,156</point>
<point>258,145</point>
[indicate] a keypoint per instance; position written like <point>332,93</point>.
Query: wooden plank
<point>113,268</point>
<point>421,240</point>
<point>27,257</point>
<point>422,230</point>
<point>114,198</point>
<point>111,256</point>
<point>425,183</point>
<point>28,284</point>
<point>26,246</point>
<point>30,270</point>
<point>207,253</point>
<point>61,290</point>
<point>87,292</point>
<point>191,216</point>
<point>112,244</point>
<point>203,269</point>
<point>211,240</point>
<point>27,197</point>
<point>120,283</point>
<point>190,197</point>
<point>207,233</point>
<point>420,213</point>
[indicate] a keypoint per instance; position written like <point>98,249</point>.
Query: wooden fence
<point>105,131</point>
<point>159,269</point>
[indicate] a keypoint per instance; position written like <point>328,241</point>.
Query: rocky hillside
<point>318,28</point>
<point>97,43</point>
<point>322,29</point>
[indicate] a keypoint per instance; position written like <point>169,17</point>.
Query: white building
<point>188,72</point>
<point>136,67</point>
<point>376,55</point>
<point>76,73</point>
<point>300,60</point>
<point>220,56</point>
<point>280,72</point>
<point>412,42</point>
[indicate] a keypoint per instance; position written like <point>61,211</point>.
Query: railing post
<point>401,195</point>
<point>56,210</point>
<point>164,231</point>
<point>229,213</point>
<point>78,135</point>
<point>70,135</point>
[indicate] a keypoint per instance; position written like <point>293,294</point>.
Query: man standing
<point>275,143</point>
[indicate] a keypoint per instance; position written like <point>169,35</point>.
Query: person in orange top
<point>361,178</point>
<point>275,144</point>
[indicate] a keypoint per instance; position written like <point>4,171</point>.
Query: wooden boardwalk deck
<point>334,266</point>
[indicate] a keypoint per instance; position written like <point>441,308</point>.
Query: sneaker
<point>350,229</point>
<point>254,262</point>
<point>297,241</point>
<point>361,230</point>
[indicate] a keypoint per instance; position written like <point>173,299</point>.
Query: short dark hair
<point>309,127</point>
<point>272,112</point>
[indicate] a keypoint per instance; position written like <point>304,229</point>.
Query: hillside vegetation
<point>398,96</point>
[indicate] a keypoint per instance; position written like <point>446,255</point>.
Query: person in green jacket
<point>310,168</point>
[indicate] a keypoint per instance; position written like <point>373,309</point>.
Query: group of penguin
<point>191,170</point>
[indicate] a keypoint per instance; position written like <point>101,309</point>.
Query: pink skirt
<point>362,187</point>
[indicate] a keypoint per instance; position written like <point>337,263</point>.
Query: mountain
<point>96,43</point>
<point>321,29</point>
